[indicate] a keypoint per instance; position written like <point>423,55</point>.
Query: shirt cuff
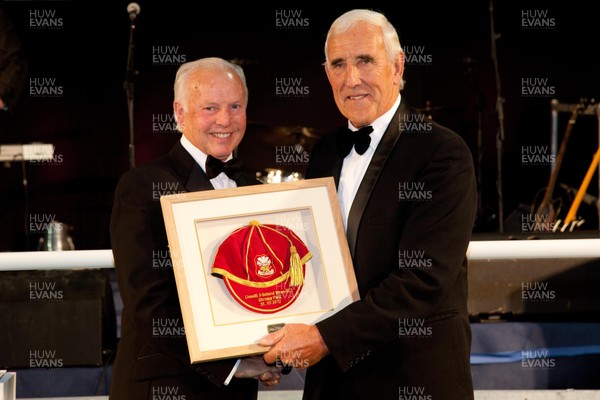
<point>235,367</point>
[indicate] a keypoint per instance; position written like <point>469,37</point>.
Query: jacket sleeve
<point>145,274</point>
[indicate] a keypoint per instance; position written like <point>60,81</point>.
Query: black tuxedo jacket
<point>408,231</point>
<point>152,357</point>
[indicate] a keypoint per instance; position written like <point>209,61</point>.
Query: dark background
<point>88,123</point>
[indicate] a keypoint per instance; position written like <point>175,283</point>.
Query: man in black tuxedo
<point>407,191</point>
<point>210,109</point>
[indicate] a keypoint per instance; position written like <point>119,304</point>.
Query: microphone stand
<point>471,66</point>
<point>129,90</point>
<point>500,127</point>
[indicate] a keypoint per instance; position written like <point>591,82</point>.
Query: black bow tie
<point>232,168</point>
<point>347,138</point>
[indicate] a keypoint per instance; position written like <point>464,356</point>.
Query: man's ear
<point>399,68</point>
<point>179,111</point>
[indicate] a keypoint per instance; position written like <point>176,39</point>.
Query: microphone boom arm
<point>133,9</point>
<point>500,126</point>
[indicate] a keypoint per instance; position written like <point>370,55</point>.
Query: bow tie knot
<point>231,168</point>
<point>360,140</point>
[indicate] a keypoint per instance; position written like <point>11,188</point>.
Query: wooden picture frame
<point>217,326</point>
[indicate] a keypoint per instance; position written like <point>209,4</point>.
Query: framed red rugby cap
<point>263,266</point>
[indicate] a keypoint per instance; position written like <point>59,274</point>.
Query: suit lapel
<point>387,143</point>
<point>193,176</point>
<point>198,180</point>
<point>337,170</point>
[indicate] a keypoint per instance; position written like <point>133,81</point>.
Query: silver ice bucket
<point>57,237</point>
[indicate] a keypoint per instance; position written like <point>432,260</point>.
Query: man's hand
<point>255,367</point>
<point>296,345</point>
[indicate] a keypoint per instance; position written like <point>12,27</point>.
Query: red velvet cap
<point>262,266</point>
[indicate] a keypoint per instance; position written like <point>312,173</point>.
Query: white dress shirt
<point>221,181</point>
<point>355,165</point>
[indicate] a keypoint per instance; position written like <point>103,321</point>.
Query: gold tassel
<point>296,275</point>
